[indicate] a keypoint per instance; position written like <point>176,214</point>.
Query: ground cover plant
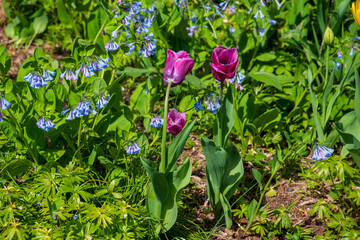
<point>179,119</point>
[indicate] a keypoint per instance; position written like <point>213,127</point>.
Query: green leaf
<point>258,177</point>
<point>227,122</point>
<point>52,154</point>
<point>5,61</point>
<point>314,104</point>
<point>267,78</point>
<point>341,10</point>
<point>63,13</point>
<point>40,24</point>
<point>137,72</point>
<point>266,57</point>
<point>92,156</point>
<point>357,93</point>
<point>176,146</point>
<point>175,19</point>
<point>15,168</point>
<point>106,163</point>
<point>159,183</point>
<point>251,209</point>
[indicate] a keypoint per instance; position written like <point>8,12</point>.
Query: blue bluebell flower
<point>209,7</point>
<point>64,111</point>
<point>1,117</point>
<point>231,29</point>
<point>69,75</point>
<point>262,3</point>
<point>48,75</point>
<point>103,63</point>
<point>191,30</point>
<point>111,46</point>
<point>127,20</point>
<point>133,148</point>
<point>149,47</point>
<point>135,8</point>
<point>262,32</point>
<point>4,104</point>
<point>71,115</point>
<point>338,53</point>
<point>357,38</point>
<point>337,65</point>
<point>198,106</point>
<point>232,10</point>
<point>116,15</point>
<point>38,203</point>
<point>114,34</point>
<point>213,103</point>
<point>83,109</point>
<point>272,22</point>
<point>180,3</point>
<point>322,152</point>
<point>156,121</point>
<point>250,9</point>
<point>35,80</point>
<point>278,4</point>
<point>75,216</point>
<point>239,77</point>
<point>223,5</point>
<point>146,91</point>
<point>87,71</point>
<point>259,14</point>
<point>45,124</point>
<point>351,52</point>
<point>119,3</point>
<point>131,48</point>
<point>102,101</point>
<point>194,18</point>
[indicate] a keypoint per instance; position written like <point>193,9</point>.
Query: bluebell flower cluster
<point>191,30</point>
<point>132,148</point>
<point>69,74</point>
<point>180,3</point>
<point>212,103</point>
<point>142,20</point>
<point>198,105</point>
<point>84,108</point>
<point>45,123</point>
<point>156,121</point>
<point>237,79</point>
<point>337,65</point>
<point>37,80</point>
<point>102,101</point>
<point>322,152</point>
<point>259,15</point>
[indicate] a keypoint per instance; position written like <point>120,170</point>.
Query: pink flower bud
<point>175,122</point>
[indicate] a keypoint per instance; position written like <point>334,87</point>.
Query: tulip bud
<point>328,36</point>
<point>177,66</point>
<point>176,122</point>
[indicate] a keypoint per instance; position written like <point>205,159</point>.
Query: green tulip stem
<point>163,161</point>
<point>220,115</point>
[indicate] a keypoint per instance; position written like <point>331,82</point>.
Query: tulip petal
<point>182,54</point>
<point>181,68</point>
<point>216,53</point>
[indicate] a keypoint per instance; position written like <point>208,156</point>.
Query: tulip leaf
<point>226,123</point>
<point>177,145</point>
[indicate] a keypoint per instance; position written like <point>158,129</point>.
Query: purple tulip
<point>177,66</point>
<point>176,121</point>
<point>225,62</point>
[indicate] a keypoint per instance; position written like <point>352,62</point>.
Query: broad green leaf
<point>40,24</point>
<point>52,154</point>
<point>258,177</point>
<point>266,57</point>
<point>267,78</point>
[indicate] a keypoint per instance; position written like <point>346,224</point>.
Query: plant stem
<point>220,140</point>
<point>163,161</point>
<point>241,130</point>
<point>101,29</point>
<point>259,203</point>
